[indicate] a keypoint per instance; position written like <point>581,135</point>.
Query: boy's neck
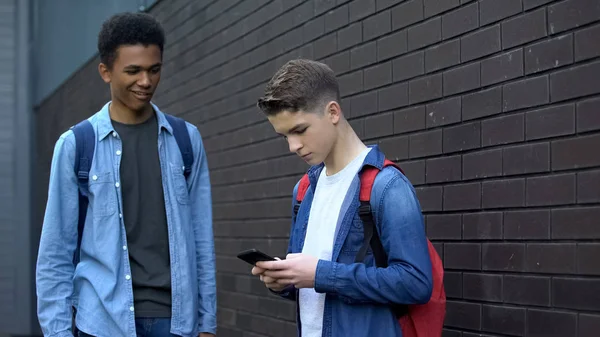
<point>122,114</point>
<point>346,148</point>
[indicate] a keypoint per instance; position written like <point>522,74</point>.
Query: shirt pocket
<point>103,194</point>
<point>355,236</point>
<point>180,184</point>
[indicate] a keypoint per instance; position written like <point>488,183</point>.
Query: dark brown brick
<point>462,196</point>
<point>395,148</point>
<point>575,152</point>
<point>361,9</point>
<point>525,93</point>
<point>572,13</point>
<point>526,290</point>
<point>379,126</point>
<point>362,104</point>
<point>527,225</point>
<point>551,190</point>
<point>453,284</point>
<point>502,68</point>
<point>482,226</point>
<point>576,293</point>
<point>482,287</point>
<point>462,137</point>
<point>425,34</point>
<point>407,13</point>
<point>444,112</point>
<point>363,55</point>
<point>462,256</point>
<point>503,193</point>
<point>444,226</point>
<point>377,25</point>
<point>430,198</point>
<point>576,223</point>
<point>530,158</point>
<point>589,325</point>
<point>524,28</point>
<point>482,164</point>
<point>551,122</point>
<point>377,75</point>
<point>442,56</point>
<point>415,171</point>
<point>588,187</point>
<point>577,81</point>
<point>587,258</point>
<point>461,79</point>
<point>425,89</point>
<point>503,257</point>
<point>588,117</point>
<point>549,54</point>
<point>393,97</point>
<point>492,11</point>
<point>585,46</point>
<point>529,4</point>
<point>435,7</point>
<point>483,103</point>
<point>451,333</point>
<point>444,169</point>
<point>463,315</point>
<point>351,83</point>
<point>349,36</point>
<point>408,66</point>
<point>504,320</point>
<point>336,18</point>
<point>503,130</point>
<point>480,43</point>
<point>460,21</point>
<point>409,119</point>
<point>392,45</point>
<point>425,144</point>
<point>555,258</point>
<point>542,323</point>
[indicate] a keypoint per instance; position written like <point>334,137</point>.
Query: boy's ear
<point>333,111</point>
<point>104,72</point>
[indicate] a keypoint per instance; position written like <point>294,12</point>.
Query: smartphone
<point>254,255</point>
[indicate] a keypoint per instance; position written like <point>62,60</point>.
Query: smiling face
<point>311,135</point>
<point>134,75</point>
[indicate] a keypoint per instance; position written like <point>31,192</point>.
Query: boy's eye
<point>301,131</point>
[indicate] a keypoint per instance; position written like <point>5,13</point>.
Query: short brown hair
<point>299,85</point>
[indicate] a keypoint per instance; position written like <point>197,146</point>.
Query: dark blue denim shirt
<point>358,295</point>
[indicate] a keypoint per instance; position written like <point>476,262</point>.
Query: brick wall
<point>490,106</point>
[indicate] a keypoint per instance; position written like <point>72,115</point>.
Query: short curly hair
<point>128,29</point>
<point>299,85</point>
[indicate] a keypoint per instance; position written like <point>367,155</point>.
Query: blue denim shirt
<point>100,286</point>
<point>358,295</point>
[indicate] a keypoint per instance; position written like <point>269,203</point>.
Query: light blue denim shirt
<point>100,286</point>
<point>359,295</point>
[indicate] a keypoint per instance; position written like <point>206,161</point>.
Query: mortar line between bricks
<point>383,35</point>
<point>524,306</point>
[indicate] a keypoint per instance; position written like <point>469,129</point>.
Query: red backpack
<point>423,320</point>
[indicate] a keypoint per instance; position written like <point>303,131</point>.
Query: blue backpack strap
<point>183,141</point>
<point>85,143</point>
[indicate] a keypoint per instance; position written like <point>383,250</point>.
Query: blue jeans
<point>148,327</point>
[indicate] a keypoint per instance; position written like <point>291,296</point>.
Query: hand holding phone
<point>252,256</point>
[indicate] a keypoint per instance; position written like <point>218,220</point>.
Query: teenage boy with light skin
<point>337,297</point>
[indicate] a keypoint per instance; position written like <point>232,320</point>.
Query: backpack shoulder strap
<point>85,144</point>
<point>183,141</point>
<point>302,188</point>
<point>371,236</point>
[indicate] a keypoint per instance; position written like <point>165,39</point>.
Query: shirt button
<point>127,277</point>
<point>117,185</point>
<point>120,214</point>
<point>124,247</point>
<point>130,308</point>
<point>94,177</point>
<point>114,134</point>
<point>118,152</point>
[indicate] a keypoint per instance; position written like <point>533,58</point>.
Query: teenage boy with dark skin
<point>337,297</point>
<point>147,263</point>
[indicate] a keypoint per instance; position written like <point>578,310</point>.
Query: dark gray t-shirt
<point>145,218</point>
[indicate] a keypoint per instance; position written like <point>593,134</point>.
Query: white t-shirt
<point>319,240</point>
